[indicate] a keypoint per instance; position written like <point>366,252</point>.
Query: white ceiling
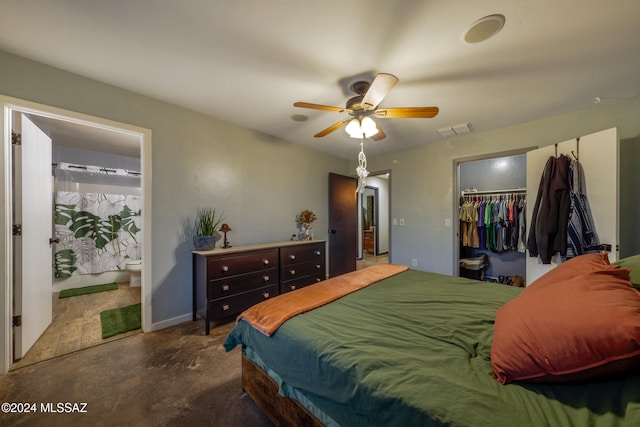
<point>248,61</point>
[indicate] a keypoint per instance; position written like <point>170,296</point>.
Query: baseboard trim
<point>156,326</point>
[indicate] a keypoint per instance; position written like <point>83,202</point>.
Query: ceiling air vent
<point>455,130</point>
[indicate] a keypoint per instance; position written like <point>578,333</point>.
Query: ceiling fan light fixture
<point>353,129</point>
<point>368,126</point>
<point>363,127</point>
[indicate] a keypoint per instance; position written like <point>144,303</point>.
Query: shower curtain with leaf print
<point>96,232</point>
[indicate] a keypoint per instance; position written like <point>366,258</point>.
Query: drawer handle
<point>225,287</point>
<point>293,287</point>
<point>292,257</point>
<point>265,261</point>
<point>225,307</point>
<point>225,268</point>
<point>292,272</point>
<point>265,278</point>
<point>265,295</point>
<point>318,266</point>
<point>318,279</point>
<point>317,253</point>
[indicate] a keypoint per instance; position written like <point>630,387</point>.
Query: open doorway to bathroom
<point>99,202</point>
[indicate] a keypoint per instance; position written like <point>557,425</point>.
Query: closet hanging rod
<point>485,192</point>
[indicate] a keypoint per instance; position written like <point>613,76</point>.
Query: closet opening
<point>490,212</point>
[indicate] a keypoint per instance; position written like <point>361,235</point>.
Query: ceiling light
<point>484,28</point>
<point>353,129</point>
<point>369,127</point>
<point>359,128</point>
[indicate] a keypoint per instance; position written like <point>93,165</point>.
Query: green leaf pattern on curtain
<point>97,232</point>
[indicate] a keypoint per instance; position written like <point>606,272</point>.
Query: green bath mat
<point>121,320</point>
<point>88,290</point>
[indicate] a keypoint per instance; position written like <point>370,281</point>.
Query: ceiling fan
<point>365,105</point>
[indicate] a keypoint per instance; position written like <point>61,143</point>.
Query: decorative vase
<point>204,243</point>
<point>306,231</point>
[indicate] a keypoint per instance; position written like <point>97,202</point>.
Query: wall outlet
<point>401,221</point>
<point>395,221</point>
<point>447,222</point>
<point>414,262</point>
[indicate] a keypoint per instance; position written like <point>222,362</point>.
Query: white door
<point>33,210</point>
<point>598,154</point>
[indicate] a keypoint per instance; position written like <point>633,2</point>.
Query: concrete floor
<point>173,377</point>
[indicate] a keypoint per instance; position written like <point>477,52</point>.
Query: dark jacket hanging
<point>548,232</point>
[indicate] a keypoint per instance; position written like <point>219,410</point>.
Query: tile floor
<point>76,323</point>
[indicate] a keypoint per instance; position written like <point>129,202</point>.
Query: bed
<point>414,349</point>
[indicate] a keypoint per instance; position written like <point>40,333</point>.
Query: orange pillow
<point>574,267</point>
<point>583,327</point>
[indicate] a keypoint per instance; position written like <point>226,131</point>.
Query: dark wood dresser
<point>228,281</point>
<point>301,265</point>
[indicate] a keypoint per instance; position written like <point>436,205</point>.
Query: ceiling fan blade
<point>332,128</point>
<point>380,135</point>
<point>380,87</point>
<point>321,107</point>
<point>407,113</point>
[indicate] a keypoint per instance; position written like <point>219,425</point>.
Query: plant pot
<point>204,243</point>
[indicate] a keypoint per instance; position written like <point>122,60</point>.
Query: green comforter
<point>414,350</point>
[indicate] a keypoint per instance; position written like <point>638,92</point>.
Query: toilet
<point>134,267</point>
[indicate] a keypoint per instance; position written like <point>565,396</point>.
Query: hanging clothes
<point>581,236</point>
<point>480,225</point>
<point>491,224</point>
<point>522,226</point>
<point>468,224</point>
<point>549,222</point>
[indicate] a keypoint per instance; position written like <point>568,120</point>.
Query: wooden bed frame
<point>282,411</point>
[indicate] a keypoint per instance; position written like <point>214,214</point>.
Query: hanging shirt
<point>480,225</point>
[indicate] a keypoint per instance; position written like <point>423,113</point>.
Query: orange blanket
<point>267,316</point>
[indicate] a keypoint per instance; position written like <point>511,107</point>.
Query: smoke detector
<point>484,28</point>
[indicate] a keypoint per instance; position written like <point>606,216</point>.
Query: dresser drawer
<point>300,270</point>
<point>301,282</point>
<point>236,304</point>
<point>233,265</point>
<point>221,288</point>
<point>302,253</point>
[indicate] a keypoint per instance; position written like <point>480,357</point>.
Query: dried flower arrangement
<point>306,217</point>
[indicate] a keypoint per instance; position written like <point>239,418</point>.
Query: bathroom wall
<point>86,182</point>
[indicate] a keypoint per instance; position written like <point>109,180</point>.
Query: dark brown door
<point>343,224</point>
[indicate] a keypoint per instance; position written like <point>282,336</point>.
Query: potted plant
<point>207,223</point>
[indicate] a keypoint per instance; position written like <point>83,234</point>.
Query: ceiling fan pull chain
<point>361,170</point>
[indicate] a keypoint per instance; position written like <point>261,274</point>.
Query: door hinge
<point>17,320</point>
<point>16,138</point>
<point>17,229</point>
